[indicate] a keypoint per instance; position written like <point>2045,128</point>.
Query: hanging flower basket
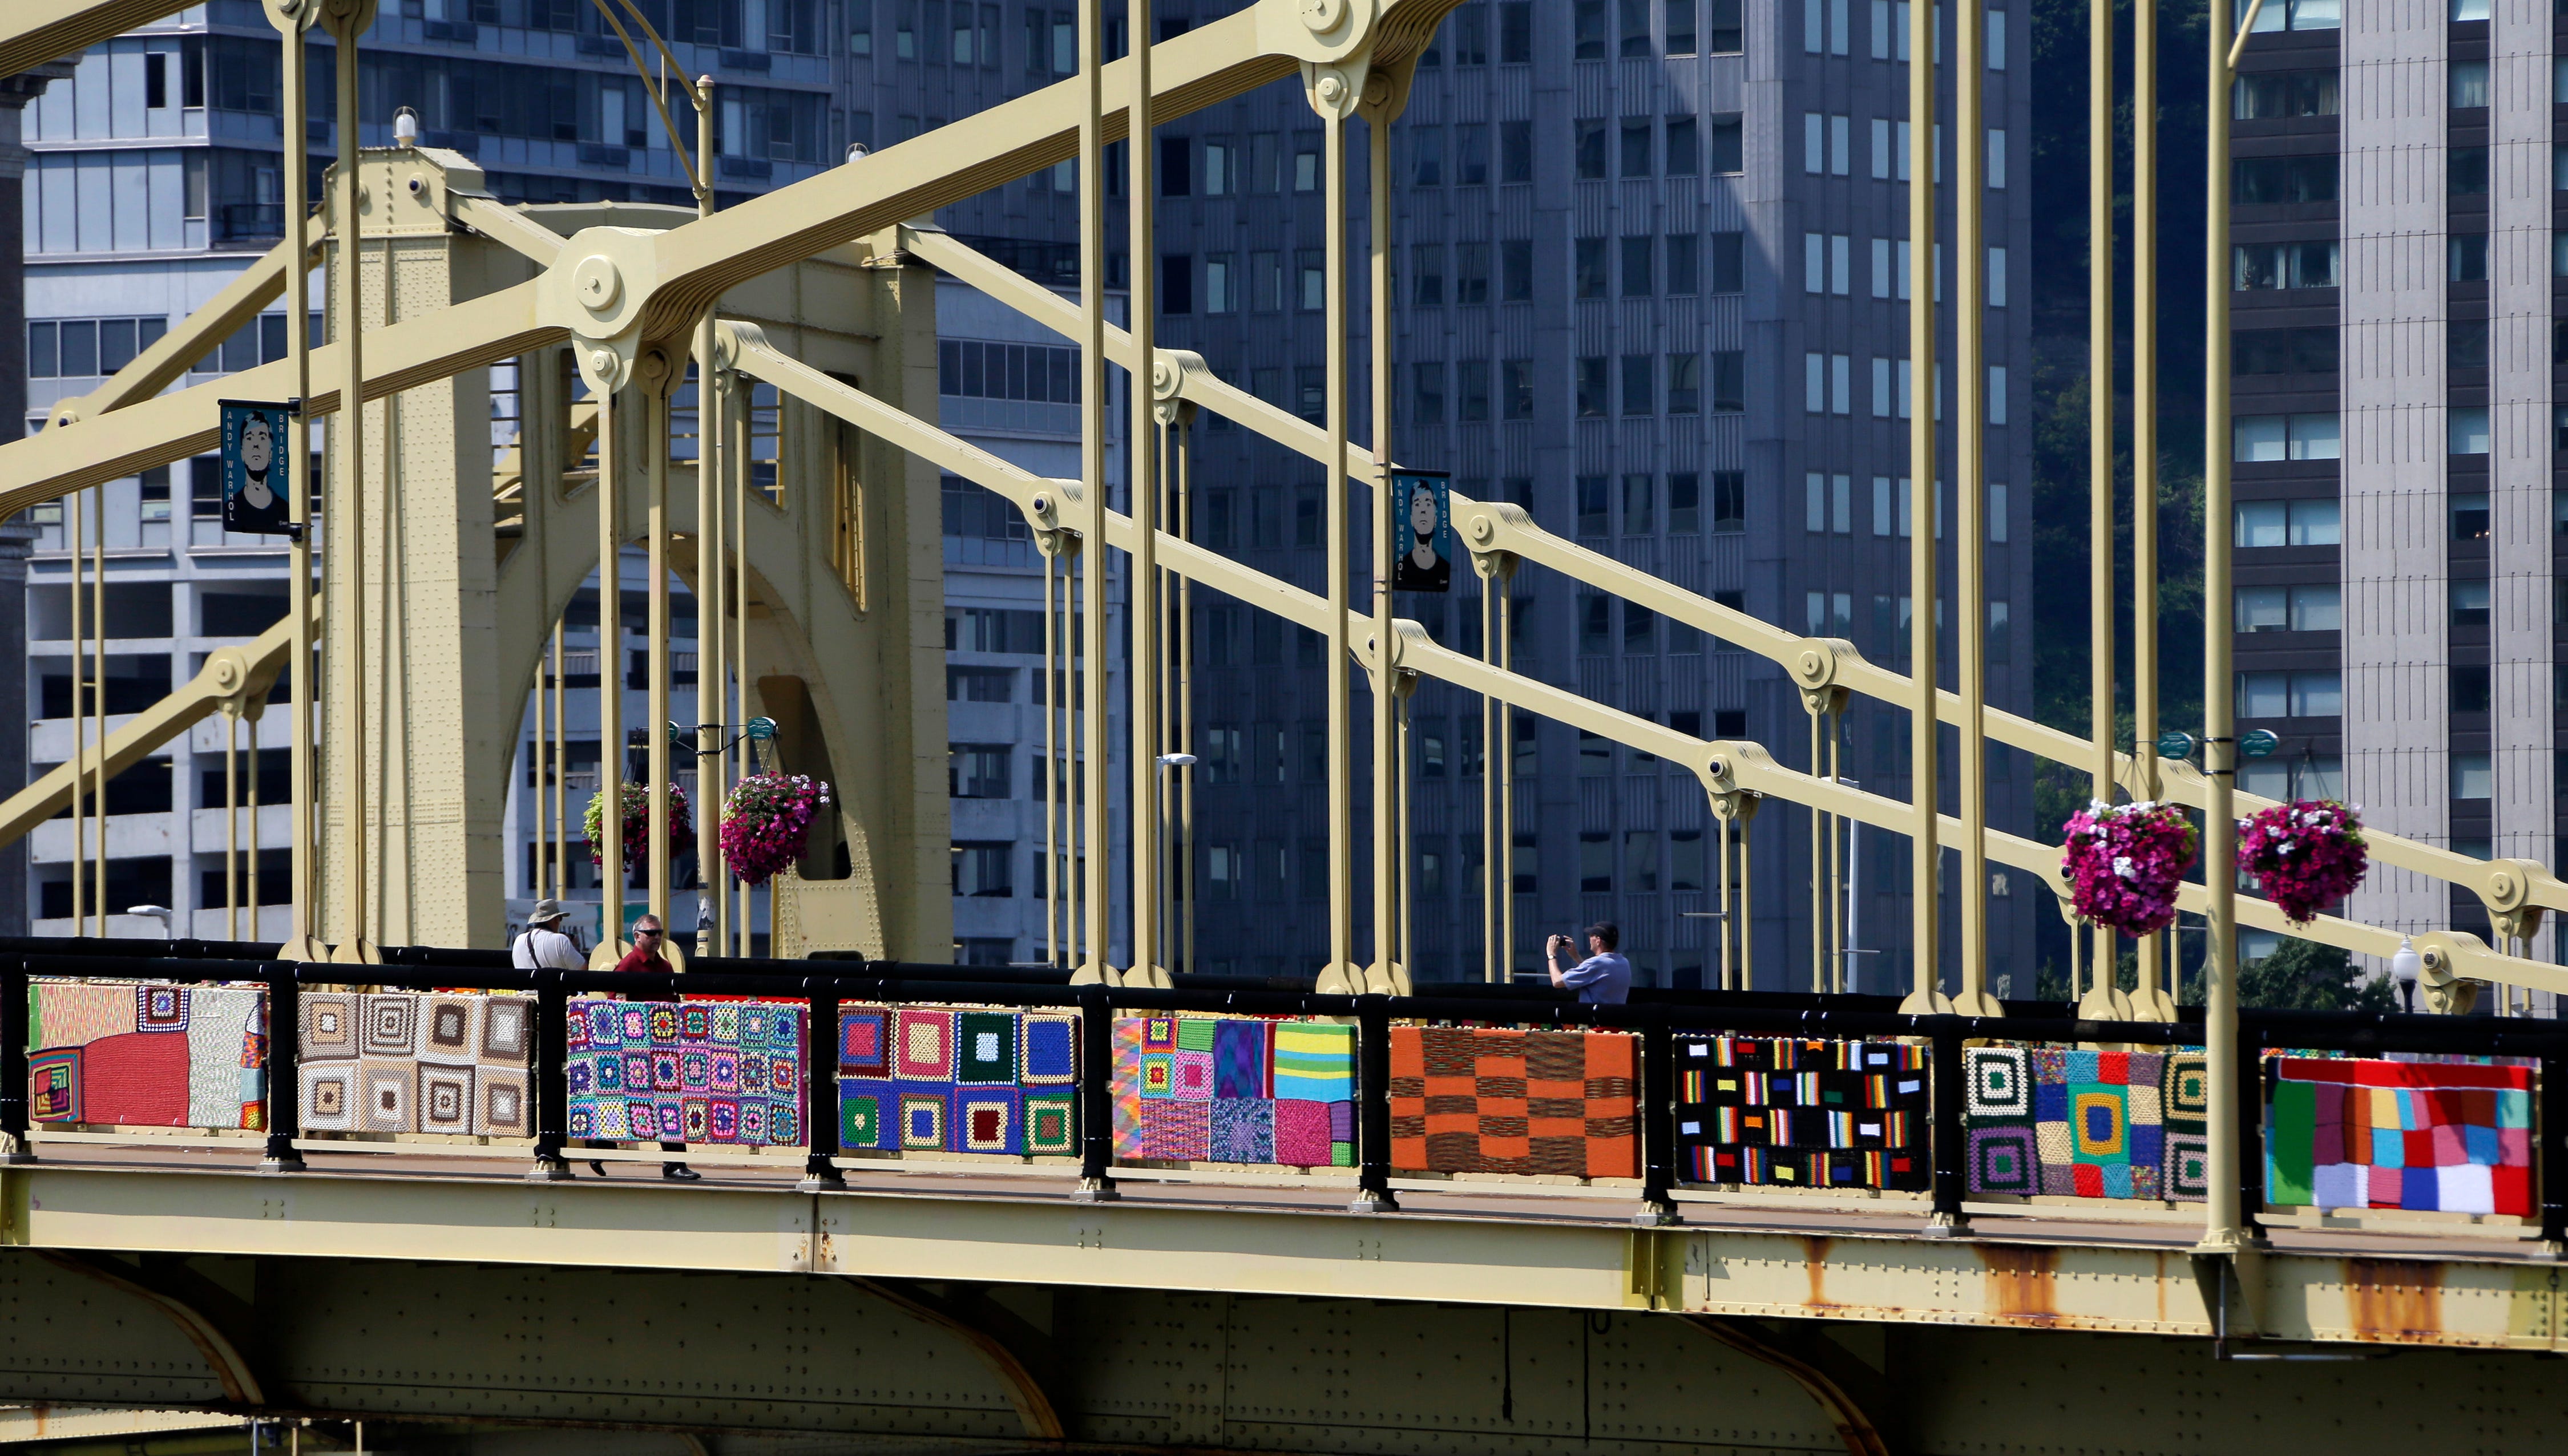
<point>766,820</point>
<point>2306,855</point>
<point>637,822</point>
<point>2125,862</point>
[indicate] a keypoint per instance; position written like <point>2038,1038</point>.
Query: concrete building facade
<point>2395,185</point>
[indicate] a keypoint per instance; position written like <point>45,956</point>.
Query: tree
<point>2304,975</point>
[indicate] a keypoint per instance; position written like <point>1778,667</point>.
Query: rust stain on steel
<point>2394,1299</point>
<point>2023,1281</point>
<point>1815,1261</point>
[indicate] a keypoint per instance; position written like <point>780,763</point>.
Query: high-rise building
<point>2395,262</point>
<point>1652,285</point>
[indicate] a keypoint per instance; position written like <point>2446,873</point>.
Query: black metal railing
<point>824,984</point>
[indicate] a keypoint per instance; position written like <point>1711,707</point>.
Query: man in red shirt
<point>649,939</point>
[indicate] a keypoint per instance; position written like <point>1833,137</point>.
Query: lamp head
<point>2407,965</point>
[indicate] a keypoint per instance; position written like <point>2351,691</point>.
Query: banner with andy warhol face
<point>259,471</point>
<point>1421,531</point>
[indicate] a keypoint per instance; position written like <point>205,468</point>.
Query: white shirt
<point>546,949</point>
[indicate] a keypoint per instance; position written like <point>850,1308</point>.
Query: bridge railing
<point>1676,1098</point>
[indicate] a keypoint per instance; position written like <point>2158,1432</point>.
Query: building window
<point>2469,516</point>
<point>2271,95</point>
<point>2468,255</point>
<point>1472,156</point>
<point>2319,608</point>
<point>1730,262</point>
<point>1473,405</point>
<point>1685,383</point>
<point>2473,777</point>
<point>2469,428</point>
<point>1638,254</point>
<point>1595,636</point>
<point>1515,33</point>
<point>1685,504</point>
<point>1515,270</point>
<point>1427,394</point>
<point>1515,389</point>
<point>2466,172</point>
<point>1639,384</point>
<point>2267,524</point>
<point>1685,147</point>
<point>1426,156</point>
<point>2284,351</point>
<point>2273,181</point>
<point>2300,264</point>
<point>2311,437</point>
<point>1588,151</point>
<point>1595,506</point>
<point>1640,505</point>
<point>1472,273</point>
<point>983,869</point>
<point>1727,32</point>
<point>1728,503</point>
<point>2469,602</point>
<point>1592,403</point>
<point>1729,382</point>
<point>1427,275</point>
<point>2317,693</point>
<point>1685,264</point>
<point>1587,30</point>
<point>978,771</point>
<point>1728,144</point>
<point>2303,13</point>
<point>1637,140</point>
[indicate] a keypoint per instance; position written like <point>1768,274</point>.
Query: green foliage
<point>2058,174</point>
<point>2304,975</point>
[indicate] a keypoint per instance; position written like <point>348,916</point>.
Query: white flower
<point>2122,867</point>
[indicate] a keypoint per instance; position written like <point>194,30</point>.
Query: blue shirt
<point>1604,979</point>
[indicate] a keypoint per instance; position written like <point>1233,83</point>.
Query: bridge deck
<point>2038,1266</point>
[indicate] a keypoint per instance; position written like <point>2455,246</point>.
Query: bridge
<point>1098,1203</point>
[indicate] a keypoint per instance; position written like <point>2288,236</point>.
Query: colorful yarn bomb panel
<point>407,1062</point>
<point>2054,1122</point>
<point>726,1073</point>
<point>1801,1114</point>
<point>1467,1099</point>
<point>118,1054</point>
<point>1234,1089</point>
<point>936,1080</point>
<point>2362,1133</point>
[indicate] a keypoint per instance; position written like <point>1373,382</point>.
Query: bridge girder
<point>965,1366</point>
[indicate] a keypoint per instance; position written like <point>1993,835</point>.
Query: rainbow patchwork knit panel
<point>717,1072</point>
<point>1801,1114</point>
<point>117,1054</point>
<point>937,1081</point>
<point>2361,1134</point>
<point>2048,1120</point>
<point>1232,1089</point>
